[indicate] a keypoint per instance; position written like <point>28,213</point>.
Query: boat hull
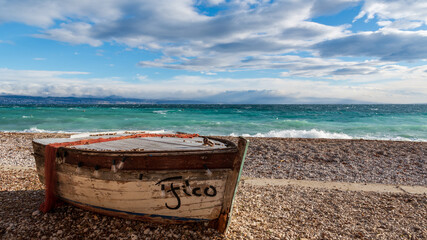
<point>191,186</point>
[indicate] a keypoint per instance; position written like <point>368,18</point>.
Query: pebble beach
<point>260,211</point>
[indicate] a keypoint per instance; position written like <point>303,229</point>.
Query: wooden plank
<point>148,143</point>
<point>39,149</point>
<point>154,218</point>
<point>46,141</point>
<point>231,186</point>
<point>135,189</point>
<point>148,161</point>
<point>133,175</point>
<point>153,162</point>
<point>153,144</point>
<point>187,209</point>
<point>145,196</point>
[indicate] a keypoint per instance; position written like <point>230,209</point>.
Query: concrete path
<point>2,167</point>
<point>343,186</point>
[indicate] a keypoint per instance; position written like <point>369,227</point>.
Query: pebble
<point>260,212</point>
<point>373,161</point>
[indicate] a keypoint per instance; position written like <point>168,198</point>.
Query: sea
<point>337,121</point>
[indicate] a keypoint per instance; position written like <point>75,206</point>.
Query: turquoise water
<point>394,122</point>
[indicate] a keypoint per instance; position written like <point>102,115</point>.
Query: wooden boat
<point>166,178</point>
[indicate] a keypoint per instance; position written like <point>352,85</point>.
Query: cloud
<point>178,28</point>
<point>409,87</point>
<point>238,35</point>
<point>141,77</point>
<point>214,2</point>
<point>75,33</point>
<point>37,75</point>
<point>325,7</point>
<point>39,59</point>
<point>295,66</point>
<point>209,73</point>
<point>192,40</point>
<point>330,68</point>
<point>407,14</point>
<point>392,45</point>
<point>45,13</point>
<point>7,42</point>
<point>399,24</point>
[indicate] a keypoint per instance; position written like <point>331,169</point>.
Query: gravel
<point>386,162</point>
<point>260,212</point>
<point>289,212</point>
<point>17,148</point>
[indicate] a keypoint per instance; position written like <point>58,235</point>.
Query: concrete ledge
<point>16,168</point>
<point>343,186</point>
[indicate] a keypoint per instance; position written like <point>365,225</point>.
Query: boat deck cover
<point>141,144</point>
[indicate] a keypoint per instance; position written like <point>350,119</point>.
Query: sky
<point>237,51</point>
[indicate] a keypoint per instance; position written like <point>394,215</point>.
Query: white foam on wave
<point>314,133</point>
<point>291,133</point>
<point>37,130</point>
<point>394,138</point>
<point>163,112</point>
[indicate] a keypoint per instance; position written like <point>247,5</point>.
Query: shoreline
<point>45,132</point>
<point>282,202</point>
<point>338,160</point>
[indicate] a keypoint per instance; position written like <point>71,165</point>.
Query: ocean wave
<point>37,130</point>
<point>286,123</point>
<point>314,133</point>
<point>392,138</point>
<point>31,116</point>
<point>291,133</point>
<point>163,112</point>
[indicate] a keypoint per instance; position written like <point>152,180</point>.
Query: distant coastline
<point>229,97</point>
<point>29,100</point>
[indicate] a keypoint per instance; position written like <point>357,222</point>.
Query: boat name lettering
<point>209,191</point>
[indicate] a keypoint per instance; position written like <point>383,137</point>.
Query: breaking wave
<point>162,112</point>
<point>36,130</point>
<point>313,133</point>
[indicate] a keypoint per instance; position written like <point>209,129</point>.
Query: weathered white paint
<point>124,191</point>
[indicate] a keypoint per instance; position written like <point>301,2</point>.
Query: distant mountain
<point>16,99</point>
<point>268,97</point>
<point>227,97</point>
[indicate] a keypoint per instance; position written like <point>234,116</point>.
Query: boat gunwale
<point>230,148</point>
